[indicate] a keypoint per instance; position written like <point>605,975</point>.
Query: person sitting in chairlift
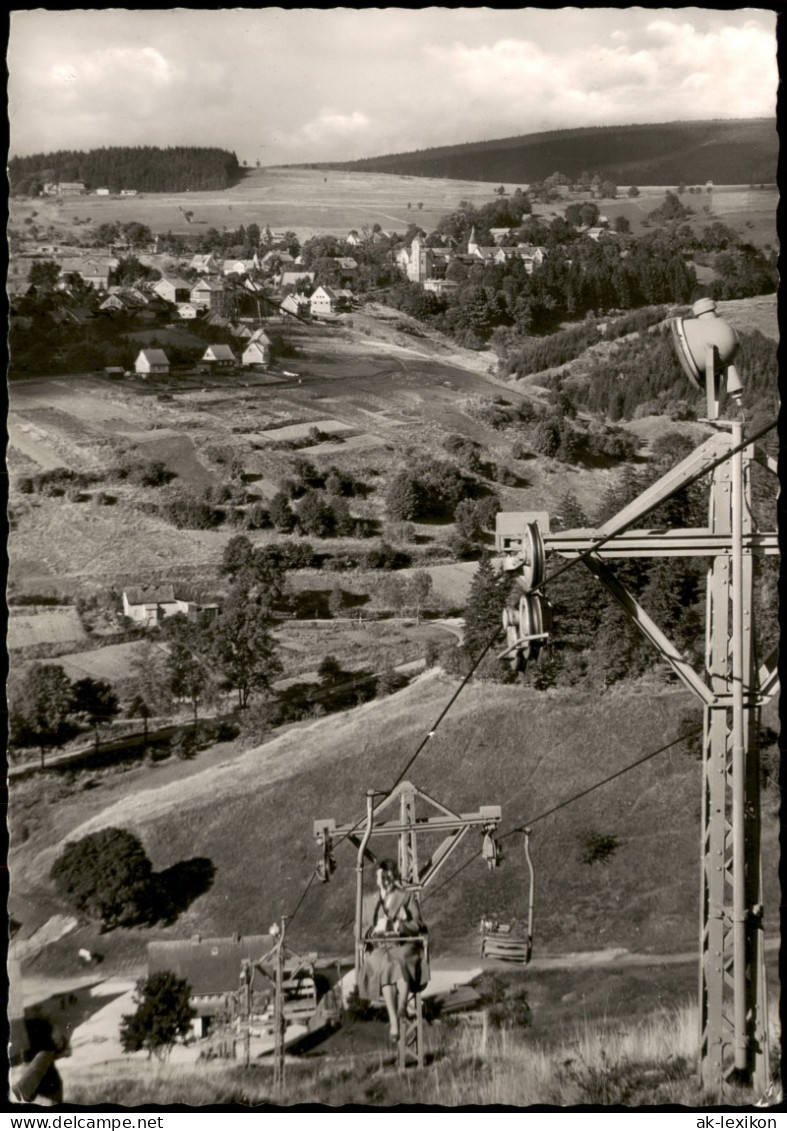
<point>393,970</point>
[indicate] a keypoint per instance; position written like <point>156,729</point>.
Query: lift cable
<point>561,569</point>
<point>413,757</point>
<point>570,801</point>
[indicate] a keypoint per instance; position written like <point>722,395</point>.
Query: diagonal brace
<point>688,469</point>
<point>650,630</point>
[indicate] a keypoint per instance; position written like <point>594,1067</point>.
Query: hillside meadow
<point>507,745</point>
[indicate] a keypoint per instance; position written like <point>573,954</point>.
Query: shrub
<point>190,513</point>
<point>184,743</point>
<point>385,557</point>
<point>258,517</point>
<point>504,1000</point>
<point>596,847</point>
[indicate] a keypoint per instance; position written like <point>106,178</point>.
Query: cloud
<point>671,70</point>
<point>306,85</point>
<point>331,125</point>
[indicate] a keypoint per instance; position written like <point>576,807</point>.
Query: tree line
<point>144,168</point>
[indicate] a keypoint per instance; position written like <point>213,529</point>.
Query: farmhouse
<point>172,288</point>
<point>151,361</point>
<point>148,606</point>
<point>329,300</point>
<point>208,294</point>
<point>102,192</point>
<point>219,357</point>
<point>293,278</point>
<point>93,270</point>
<point>215,969</point>
<point>205,264</point>
<point>212,968</point>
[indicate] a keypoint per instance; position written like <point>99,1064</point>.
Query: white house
<point>102,192</point>
<point>323,301</point>
<point>187,310</point>
<point>151,361</point>
<point>149,605</point>
<point>258,349</point>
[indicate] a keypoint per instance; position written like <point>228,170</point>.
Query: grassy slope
<point>527,751</point>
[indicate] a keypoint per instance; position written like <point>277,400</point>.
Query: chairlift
<point>512,941</point>
<point>408,828</point>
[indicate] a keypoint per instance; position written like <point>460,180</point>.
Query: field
<point>29,627</point>
<point>306,201</point>
<point>313,202</point>
<point>363,379</point>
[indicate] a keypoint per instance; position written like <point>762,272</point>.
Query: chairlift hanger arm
<point>441,854</point>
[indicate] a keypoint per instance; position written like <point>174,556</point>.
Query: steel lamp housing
<point>706,346</point>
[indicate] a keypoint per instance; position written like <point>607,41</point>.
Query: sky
<point>300,85</point>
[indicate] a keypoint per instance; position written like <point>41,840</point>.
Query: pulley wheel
<point>511,626</point>
<point>534,564</point>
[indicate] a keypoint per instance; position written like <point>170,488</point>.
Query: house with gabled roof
<point>92,269</point>
<point>323,301</point>
<point>205,264</point>
<point>172,288</point>
<point>219,357</point>
<point>187,311</point>
<point>148,605</point>
<point>240,266</point>
<point>151,361</point>
<point>291,278</point>
<point>295,304</point>
<point>258,349</point>
<point>208,294</point>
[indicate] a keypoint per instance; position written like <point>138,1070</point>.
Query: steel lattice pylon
<point>733,1026</point>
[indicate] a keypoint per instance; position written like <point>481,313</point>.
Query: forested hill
<point>726,152</point>
<point>144,168</point>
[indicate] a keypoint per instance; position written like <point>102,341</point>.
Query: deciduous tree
<point>162,1018</point>
<point>105,875</point>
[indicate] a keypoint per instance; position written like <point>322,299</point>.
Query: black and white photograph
<point>392,592</point>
